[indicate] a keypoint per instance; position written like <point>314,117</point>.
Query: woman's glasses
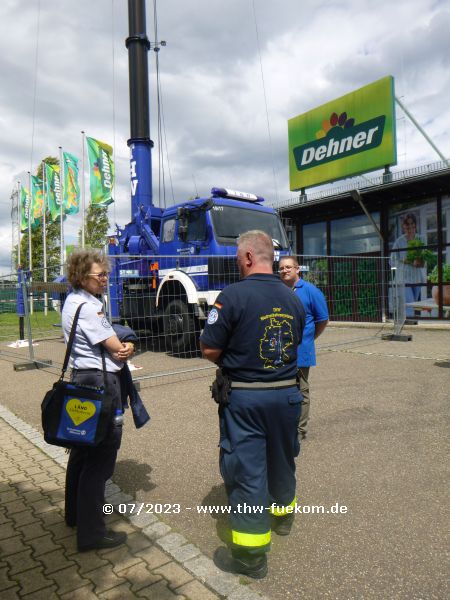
<point>102,275</point>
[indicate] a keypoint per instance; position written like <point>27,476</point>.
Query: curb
<point>188,556</point>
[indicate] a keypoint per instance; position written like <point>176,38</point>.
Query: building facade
<point>404,216</point>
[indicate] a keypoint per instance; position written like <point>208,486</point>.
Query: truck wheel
<point>180,327</point>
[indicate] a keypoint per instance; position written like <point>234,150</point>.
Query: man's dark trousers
<point>259,442</point>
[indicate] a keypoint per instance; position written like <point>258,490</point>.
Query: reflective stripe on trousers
<point>258,445</point>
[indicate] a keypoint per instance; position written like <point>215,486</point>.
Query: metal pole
<point>44,234</point>
<point>30,256</point>
<point>20,308</point>
<point>61,208</point>
<point>27,317</point>
<point>12,230</point>
<point>429,140</point>
<point>395,300</point>
<point>83,193</point>
<point>19,199</point>
<point>139,143</point>
<point>358,198</point>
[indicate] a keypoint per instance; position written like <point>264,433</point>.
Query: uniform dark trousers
<point>258,431</point>
<point>303,374</point>
<point>89,469</point>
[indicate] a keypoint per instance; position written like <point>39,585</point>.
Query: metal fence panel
<point>166,300</point>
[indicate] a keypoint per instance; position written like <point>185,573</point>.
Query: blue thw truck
<point>170,264</point>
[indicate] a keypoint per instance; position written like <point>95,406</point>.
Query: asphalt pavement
<point>371,474</point>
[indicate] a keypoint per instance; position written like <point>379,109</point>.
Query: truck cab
<point>172,292</point>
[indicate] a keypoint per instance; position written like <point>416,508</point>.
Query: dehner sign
<point>350,135</point>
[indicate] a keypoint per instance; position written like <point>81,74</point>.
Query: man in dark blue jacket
<point>253,332</point>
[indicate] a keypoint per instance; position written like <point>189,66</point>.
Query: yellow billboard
<point>348,136</point>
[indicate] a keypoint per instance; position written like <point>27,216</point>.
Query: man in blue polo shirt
<point>316,310</point>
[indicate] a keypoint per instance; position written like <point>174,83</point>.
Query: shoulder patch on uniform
<point>105,323</point>
<point>213,316</point>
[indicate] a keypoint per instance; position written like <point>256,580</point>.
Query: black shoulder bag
<point>76,415</point>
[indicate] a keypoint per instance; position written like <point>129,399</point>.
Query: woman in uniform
<point>95,345</point>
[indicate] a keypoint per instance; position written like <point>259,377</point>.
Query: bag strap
<point>102,352</point>
<point>70,341</point>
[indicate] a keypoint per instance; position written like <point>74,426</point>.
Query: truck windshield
<point>230,221</point>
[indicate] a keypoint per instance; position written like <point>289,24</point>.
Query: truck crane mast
<point>170,264</point>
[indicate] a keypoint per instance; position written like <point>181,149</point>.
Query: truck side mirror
<point>182,217</point>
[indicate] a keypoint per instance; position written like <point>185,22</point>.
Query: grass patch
<point>41,325</point>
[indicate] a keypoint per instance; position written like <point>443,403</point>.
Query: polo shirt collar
<point>300,283</point>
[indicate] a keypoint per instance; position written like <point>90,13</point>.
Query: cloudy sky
<point>64,68</point>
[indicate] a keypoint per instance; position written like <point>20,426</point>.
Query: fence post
<point>383,290</point>
<point>27,318</point>
<point>398,311</point>
<point>20,303</point>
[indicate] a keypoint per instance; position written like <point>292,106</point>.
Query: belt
<point>272,385</point>
<point>93,371</point>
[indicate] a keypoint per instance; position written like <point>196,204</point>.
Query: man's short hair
<point>293,258</point>
<point>259,242</point>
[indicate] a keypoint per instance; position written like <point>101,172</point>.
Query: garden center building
<point>403,215</point>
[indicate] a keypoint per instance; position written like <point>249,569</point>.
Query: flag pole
<point>13,210</point>
<point>18,223</point>
<point>30,256</point>
<point>44,234</point>
<point>83,193</point>
<point>61,209</point>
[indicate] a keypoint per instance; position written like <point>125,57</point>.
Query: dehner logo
<point>338,138</point>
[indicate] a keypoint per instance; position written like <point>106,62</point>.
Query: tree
<point>96,227</point>
<point>53,249</point>
<point>52,235</point>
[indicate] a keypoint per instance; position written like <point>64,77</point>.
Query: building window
<point>315,239</point>
<point>354,235</point>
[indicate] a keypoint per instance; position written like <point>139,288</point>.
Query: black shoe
<point>283,525</point>
<point>252,566</point>
<point>111,539</point>
<point>71,524</point>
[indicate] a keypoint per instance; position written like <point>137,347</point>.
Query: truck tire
<point>181,328</point>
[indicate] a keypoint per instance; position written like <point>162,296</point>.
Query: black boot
<point>251,565</point>
<point>254,566</point>
<point>283,525</point>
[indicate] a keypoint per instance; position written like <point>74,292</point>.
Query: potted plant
<point>433,278</point>
<point>419,256</point>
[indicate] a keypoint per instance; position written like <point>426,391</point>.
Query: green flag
<point>71,201</point>
<point>37,203</point>
<point>101,172</point>
<point>25,202</point>
<point>52,191</point>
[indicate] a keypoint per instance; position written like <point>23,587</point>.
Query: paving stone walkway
<point>38,553</point>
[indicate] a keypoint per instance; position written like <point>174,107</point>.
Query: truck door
<point>196,236</point>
